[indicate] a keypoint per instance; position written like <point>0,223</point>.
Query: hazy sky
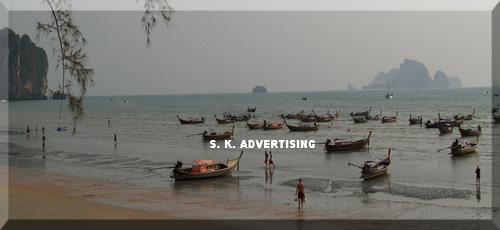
<point>232,51</point>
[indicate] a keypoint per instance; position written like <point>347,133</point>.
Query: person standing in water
<point>43,130</point>
<point>267,158</point>
<point>478,175</point>
<point>271,161</point>
<point>43,145</point>
<point>301,195</point>
<point>116,142</point>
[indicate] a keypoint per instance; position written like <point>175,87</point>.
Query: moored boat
<point>359,119</point>
<point>191,120</point>
<point>251,110</point>
<point>496,118</point>
<point>470,116</point>
<point>252,126</point>
<point>376,117</point>
<point>374,168</point>
<point>301,127</point>
<point>226,120</point>
<point>390,119</point>
<point>343,144</point>
<point>470,132</point>
<point>363,113</point>
<point>446,128</point>
<point>272,125</point>
<point>309,117</point>
<point>213,135</point>
<point>463,147</point>
<point>204,169</point>
<point>415,120</point>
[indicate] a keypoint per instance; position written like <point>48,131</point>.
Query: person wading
<point>301,195</point>
<point>478,175</point>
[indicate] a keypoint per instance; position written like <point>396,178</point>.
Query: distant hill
<point>27,67</point>
<point>412,75</point>
<point>350,87</point>
<point>259,89</point>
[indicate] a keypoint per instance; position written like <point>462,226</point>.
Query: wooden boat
<point>325,118</point>
<point>464,147</point>
<point>337,114</point>
<point>376,117</point>
<point>237,117</point>
<point>272,125</point>
<point>304,98</point>
<point>446,128</point>
<point>457,121</point>
<point>251,110</point>
<point>496,118</point>
<point>226,120</point>
<point>217,135</point>
<point>415,120</point>
<point>437,123</point>
<point>302,127</point>
<point>470,116</point>
<point>359,119</point>
<point>375,167</point>
<point>470,132</point>
<point>390,119</point>
<point>204,169</point>
<point>309,117</point>
<point>292,115</point>
<point>254,125</point>
<point>342,144</point>
<point>496,109</point>
<point>364,113</point>
<point>191,120</point>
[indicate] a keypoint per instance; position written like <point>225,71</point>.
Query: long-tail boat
<point>302,127</point>
<point>376,117</point>
<point>237,117</point>
<point>292,115</point>
<point>364,113</point>
<point>437,123</point>
<point>272,125</point>
<point>470,132</point>
<point>191,120</point>
<point>226,120</point>
<point>359,119</point>
<point>251,110</point>
<point>374,168</point>
<point>213,135</point>
<point>415,120</point>
<point>312,117</point>
<point>390,119</point>
<point>252,126</point>
<point>446,128</point>
<point>325,118</point>
<point>204,169</point>
<point>342,144</point>
<point>496,109</point>
<point>457,121</point>
<point>470,116</point>
<point>496,118</point>
<point>464,147</point>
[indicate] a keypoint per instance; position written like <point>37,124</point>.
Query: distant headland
<point>412,75</point>
<point>259,89</point>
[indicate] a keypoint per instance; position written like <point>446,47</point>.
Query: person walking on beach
<point>267,158</point>
<point>301,194</point>
<point>271,161</point>
<point>478,175</point>
<point>116,142</point>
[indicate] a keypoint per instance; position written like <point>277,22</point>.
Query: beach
<point>87,170</point>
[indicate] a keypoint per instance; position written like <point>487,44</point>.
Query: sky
<point>230,49</point>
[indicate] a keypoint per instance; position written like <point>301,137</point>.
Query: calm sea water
<point>149,135</point>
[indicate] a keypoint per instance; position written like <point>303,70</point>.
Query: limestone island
<point>259,89</point>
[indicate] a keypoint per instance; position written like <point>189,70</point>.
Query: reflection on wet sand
<point>269,175</point>
<point>227,184</point>
<point>478,192</point>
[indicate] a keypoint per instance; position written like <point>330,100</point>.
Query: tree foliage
<point>68,48</point>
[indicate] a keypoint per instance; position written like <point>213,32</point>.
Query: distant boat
<point>62,128</point>
<point>304,98</point>
<point>3,100</point>
<point>58,96</point>
<point>389,94</point>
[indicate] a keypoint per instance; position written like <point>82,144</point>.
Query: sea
<point>149,135</point>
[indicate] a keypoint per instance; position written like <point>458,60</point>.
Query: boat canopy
<point>201,165</point>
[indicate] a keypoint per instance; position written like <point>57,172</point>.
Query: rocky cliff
<point>412,75</point>
<point>27,67</point>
